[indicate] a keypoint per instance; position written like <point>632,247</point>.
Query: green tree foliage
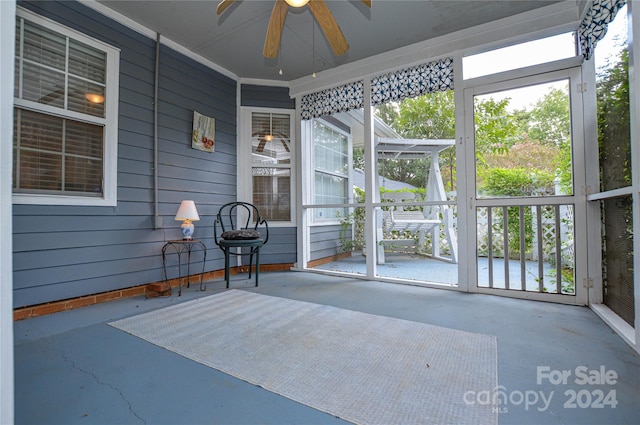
<point>516,182</point>
<point>614,140</point>
<point>431,116</point>
<point>549,122</point>
<point>614,136</point>
<point>497,130</point>
<point>539,139</point>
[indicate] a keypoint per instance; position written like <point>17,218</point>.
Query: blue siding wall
<point>266,97</point>
<point>68,251</point>
<point>324,241</point>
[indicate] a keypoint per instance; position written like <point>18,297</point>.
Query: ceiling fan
<point>320,12</point>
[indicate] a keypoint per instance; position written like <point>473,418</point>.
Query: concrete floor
<point>73,368</point>
<point>421,268</point>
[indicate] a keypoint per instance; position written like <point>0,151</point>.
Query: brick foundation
<point>154,289</point>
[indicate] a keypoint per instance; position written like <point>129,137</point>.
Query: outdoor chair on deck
<point>234,238</point>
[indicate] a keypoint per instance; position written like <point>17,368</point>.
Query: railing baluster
<point>490,245</point>
<point>558,251</point>
<point>540,232</point>
<point>523,265</point>
<point>505,236</point>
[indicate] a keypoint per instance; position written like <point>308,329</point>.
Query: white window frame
<point>245,180</point>
<point>328,221</point>
<point>110,120</point>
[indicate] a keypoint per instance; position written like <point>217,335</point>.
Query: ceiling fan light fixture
<point>296,3</point>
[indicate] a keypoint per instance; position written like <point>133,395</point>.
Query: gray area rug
<point>363,368</point>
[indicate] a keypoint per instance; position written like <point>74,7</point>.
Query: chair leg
<point>257,265</point>
<point>251,261</point>
<point>226,266</point>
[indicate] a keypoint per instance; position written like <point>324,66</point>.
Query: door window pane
<point>523,142</point>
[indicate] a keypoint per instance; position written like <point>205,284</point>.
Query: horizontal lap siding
<point>68,251</point>
<point>324,241</point>
<point>266,97</point>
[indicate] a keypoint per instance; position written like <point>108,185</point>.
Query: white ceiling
<point>235,39</point>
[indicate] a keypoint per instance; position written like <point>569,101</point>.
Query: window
<point>65,116</point>
<point>331,179</point>
<point>520,55</point>
<point>271,164</point>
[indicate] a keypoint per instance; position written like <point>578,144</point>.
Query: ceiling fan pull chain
<point>313,48</point>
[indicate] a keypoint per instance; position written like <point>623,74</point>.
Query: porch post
<point>7,43</point>
<point>370,177</point>
<point>633,19</point>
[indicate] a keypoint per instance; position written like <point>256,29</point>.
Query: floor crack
<point>73,364</point>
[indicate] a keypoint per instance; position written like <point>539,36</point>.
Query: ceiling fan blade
<point>329,26</point>
<point>274,30</point>
<point>223,5</point>
<point>367,3</point>
<point>261,144</point>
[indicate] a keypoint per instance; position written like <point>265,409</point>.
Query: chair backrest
<point>239,216</point>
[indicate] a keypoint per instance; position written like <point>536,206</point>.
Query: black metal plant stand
<point>182,246</point>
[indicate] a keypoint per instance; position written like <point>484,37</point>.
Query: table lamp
<point>188,213</point>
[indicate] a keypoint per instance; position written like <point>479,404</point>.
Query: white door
<point>526,181</point>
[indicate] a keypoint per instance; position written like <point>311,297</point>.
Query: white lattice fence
<point>551,229</point>
<point>554,222</point>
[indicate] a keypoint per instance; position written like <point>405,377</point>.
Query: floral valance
<point>594,25</point>
<point>397,85</point>
<point>412,82</point>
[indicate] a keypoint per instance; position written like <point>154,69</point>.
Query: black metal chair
<point>229,233</point>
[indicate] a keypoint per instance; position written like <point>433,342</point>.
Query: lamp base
<point>187,230</point>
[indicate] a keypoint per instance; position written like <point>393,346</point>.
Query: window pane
<point>270,138</point>
<point>43,85</point>
<point>523,142</point>
<point>40,131</point>
<point>84,140</point>
<point>87,62</point>
<point>520,55</point>
<point>44,70</point>
<point>41,143</point>
<point>80,101</point>
<point>331,150</point>
<point>330,189</point>
<point>281,126</point>
<point>260,124</point>
<point>83,175</point>
<point>44,46</point>
<point>331,164</point>
<point>39,171</point>
<point>271,189</point>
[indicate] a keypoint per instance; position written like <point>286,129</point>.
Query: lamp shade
<point>187,211</point>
